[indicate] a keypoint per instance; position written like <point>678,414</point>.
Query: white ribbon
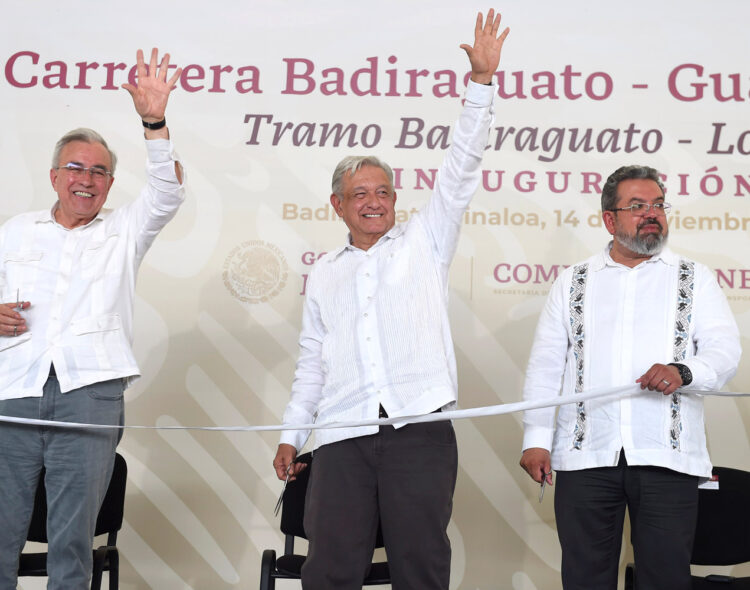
<point>496,410</point>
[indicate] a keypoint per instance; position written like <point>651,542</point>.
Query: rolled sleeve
<point>716,336</point>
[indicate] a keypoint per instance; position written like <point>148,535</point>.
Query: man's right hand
<point>536,462</point>
<point>285,455</point>
<point>13,323</point>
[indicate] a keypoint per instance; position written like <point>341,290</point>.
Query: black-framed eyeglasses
<point>77,171</point>
<point>641,209</point>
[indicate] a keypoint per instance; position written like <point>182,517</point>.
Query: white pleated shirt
<point>375,324</point>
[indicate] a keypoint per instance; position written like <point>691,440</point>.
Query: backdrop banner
<point>272,95</point>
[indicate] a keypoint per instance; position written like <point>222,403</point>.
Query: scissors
<point>544,484</point>
<point>280,501</point>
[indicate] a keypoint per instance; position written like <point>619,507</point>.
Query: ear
<point>609,221</point>
<point>53,177</point>
<point>394,198</point>
<point>336,204</point>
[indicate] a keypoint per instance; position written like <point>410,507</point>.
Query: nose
<point>86,178</point>
<point>371,200</point>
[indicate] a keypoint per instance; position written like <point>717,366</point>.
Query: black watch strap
<point>685,373</point>
<point>154,126</point>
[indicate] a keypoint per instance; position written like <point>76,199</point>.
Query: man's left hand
<point>664,378</point>
<point>151,94</point>
<point>485,54</point>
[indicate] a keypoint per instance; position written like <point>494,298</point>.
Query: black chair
<point>109,522</point>
<point>722,534</point>
<point>289,565</point>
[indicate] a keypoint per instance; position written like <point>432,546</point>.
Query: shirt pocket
<point>94,324</point>
<point>97,257</point>
<point>23,257</point>
<point>20,273</point>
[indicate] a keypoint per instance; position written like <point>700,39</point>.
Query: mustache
<point>650,221</point>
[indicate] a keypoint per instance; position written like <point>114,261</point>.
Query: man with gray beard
<point>635,313</point>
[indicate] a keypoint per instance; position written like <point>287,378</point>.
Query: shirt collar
<point>49,216</point>
<point>605,259</point>
<point>395,232</point>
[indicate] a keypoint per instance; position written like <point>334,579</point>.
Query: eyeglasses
<point>641,209</point>
<point>77,171</point>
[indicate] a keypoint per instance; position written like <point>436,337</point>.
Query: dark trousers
<point>403,477</point>
<point>590,509</point>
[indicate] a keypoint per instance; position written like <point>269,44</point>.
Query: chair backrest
<point>293,508</point>
<point>113,507</point>
<point>722,534</point>
<point>110,514</point>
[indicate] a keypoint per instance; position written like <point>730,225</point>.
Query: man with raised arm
<point>635,313</point>
<point>67,278</point>
<point>376,341</point>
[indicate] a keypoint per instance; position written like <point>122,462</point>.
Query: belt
<point>383,414</point>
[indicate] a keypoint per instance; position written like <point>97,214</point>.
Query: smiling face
<point>367,205</point>
<point>81,196</point>
<point>637,236</point>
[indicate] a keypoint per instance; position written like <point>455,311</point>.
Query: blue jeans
<point>78,469</point>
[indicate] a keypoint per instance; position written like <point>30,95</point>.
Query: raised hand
<point>151,94</point>
<point>485,54</point>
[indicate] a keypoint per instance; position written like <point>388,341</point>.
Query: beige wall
<point>219,301</point>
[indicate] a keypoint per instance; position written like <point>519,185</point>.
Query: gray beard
<point>648,245</point>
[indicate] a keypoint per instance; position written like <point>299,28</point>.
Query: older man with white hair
<point>68,276</point>
<point>376,341</point>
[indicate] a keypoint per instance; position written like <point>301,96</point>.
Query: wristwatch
<point>685,374</point>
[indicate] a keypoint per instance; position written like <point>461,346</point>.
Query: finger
<point>140,64</point>
<point>152,63</point>
<point>541,473</point>
<point>490,22</point>
<point>172,82</point>
<point>280,470</point>
<point>669,387</point>
<point>164,67</point>
<point>646,379</point>
<point>504,35</point>
<point>536,471</point>
<point>11,316</point>
<point>478,25</point>
<point>496,25</point>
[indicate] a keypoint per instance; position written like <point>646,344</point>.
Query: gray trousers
<point>403,477</point>
<point>590,509</point>
<point>78,469</point>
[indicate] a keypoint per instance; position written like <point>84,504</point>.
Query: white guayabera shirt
<point>604,325</point>
<point>375,323</point>
<point>81,285</point>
